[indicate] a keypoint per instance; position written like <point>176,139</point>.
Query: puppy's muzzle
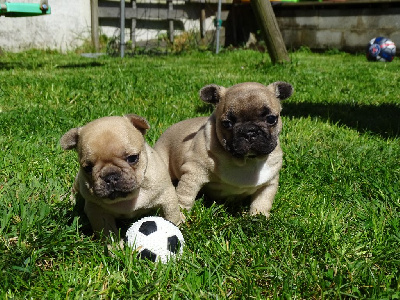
<point>250,134</point>
<point>114,185</point>
<point>251,140</point>
<point>112,179</point>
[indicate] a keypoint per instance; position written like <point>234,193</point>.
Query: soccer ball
<point>381,49</point>
<point>155,238</point>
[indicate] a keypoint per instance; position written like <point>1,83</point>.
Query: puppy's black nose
<point>112,178</point>
<point>251,133</point>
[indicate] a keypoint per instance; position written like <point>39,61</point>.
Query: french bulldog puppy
<point>235,153</point>
<point>120,175</point>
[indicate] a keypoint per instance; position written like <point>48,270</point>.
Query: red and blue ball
<point>381,49</point>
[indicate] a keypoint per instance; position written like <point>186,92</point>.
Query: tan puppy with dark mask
<point>120,175</point>
<point>235,153</point>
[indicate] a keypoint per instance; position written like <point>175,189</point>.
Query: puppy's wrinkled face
<point>248,120</point>
<point>112,156</point>
<point>111,159</point>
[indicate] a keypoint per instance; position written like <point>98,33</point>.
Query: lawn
<point>334,230</point>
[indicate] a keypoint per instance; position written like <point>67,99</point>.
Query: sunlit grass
<point>334,228</point>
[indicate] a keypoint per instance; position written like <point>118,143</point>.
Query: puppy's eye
<point>88,168</point>
<point>271,120</point>
<point>132,159</point>
<point>227,124</point>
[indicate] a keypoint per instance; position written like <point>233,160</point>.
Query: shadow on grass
<point>78,212</point>
<point>81,65</point>
<point>18,65</point>
<point>84,225</point>
<point>383,119</point>
<point>205,109</point>
<point>31,66</point>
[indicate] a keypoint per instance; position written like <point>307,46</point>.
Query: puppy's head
<point>111,152</point>
<point>247,115</point>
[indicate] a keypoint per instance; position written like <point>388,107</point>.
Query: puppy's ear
<point>212,93</point>
<point>283,90</point>
<point>70,139</point>
<point>139,122</point>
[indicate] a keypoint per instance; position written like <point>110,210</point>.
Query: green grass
<point>334,231</point>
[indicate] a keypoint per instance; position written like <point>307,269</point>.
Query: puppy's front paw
<point>183,218</point>
<point>113,246</point>
<point>258,211</point>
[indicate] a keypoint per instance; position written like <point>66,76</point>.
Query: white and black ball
<point>156,239</point>
<point>381,49</point>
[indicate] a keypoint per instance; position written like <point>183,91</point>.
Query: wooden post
<point>202,21</point>
<point>269,28</point>
<point>94,7</point>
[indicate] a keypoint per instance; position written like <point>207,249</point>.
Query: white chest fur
<point>241,179</point>
<point>251,174</point>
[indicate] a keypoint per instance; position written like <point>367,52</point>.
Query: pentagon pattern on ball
<point>148,227</point>
<point>173,244</point>
<point>155,239</point>
<point>147,254</point>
